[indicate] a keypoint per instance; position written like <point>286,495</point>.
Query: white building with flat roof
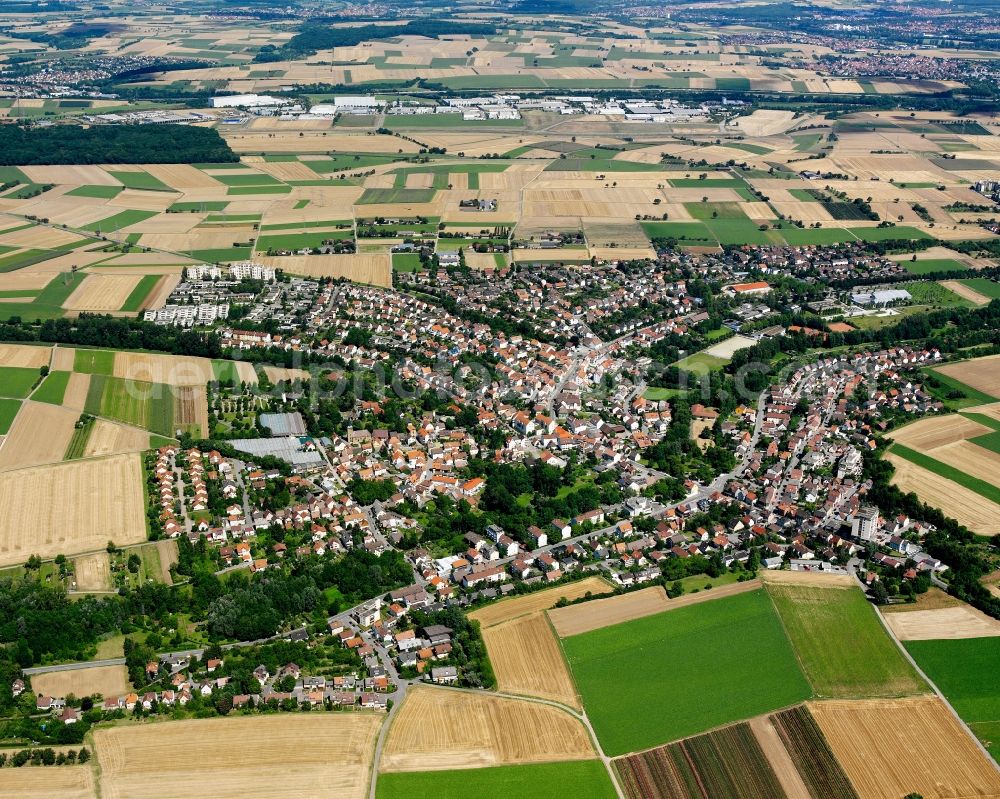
<point>245,101</point>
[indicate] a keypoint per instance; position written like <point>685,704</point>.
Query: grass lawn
<point>94,362</point>
<point>53,388</point>
<point>102,192</point>
<point>8,410</point>
<point>405,262</point>
<point>635,678</point>
<point>802,237</point>
<point>981,487</point>
<point>17,381</point>
<point>886,233</point>
<point>843,648</point>
<point>967,674</point>
<point>656,393</point>
<point>588,778</point>
<point>701,362</point>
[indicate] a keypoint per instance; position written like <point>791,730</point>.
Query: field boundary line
<point>936,690</point>
<point>784,630</point>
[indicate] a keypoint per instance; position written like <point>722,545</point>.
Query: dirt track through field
<point>777,755</point>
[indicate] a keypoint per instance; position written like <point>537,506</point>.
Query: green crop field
<point>701,362</point>
<point>53,388</point>
<point>135,300</point>
<point>140,180</point>
<point>843,648</point>
<point>886,233</point>
<point>276,188</point>
<point>226,372</point>
<point>927,292</point>
<point>588,778</point>
<point>134,402</point>
<point>254,179</point>
<point>78,443</point>
<point>8,410</point>
<point>118,221</point>
<point>981,487</point>
<point>635,678</point>
<point>17,381</point>
<point>203,206</point>
<point>934,265</point>
<point>972,396</point>
<point>47,304</point>
<point>94,362</point>
<point>985,286</point>
<point>101,192</point>
<point>966,671</point>
<point>395,195</point>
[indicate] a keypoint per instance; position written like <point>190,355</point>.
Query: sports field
<point>843,648</point>
<point>656,656</point>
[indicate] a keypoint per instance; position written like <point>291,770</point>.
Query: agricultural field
<point>965,672</point>
<point>92,572</point>
<point>942,761</point>
<point>819,620</point>
<point>728,762</point>
<point>438,728</point>
<point>527,660</point>
<point>589,779</point>
<point>104,680</point>
<point>811,759</point>
<point>70,507</point>
<point>270,755</point>
<point>737,633</point>
<point>537,601</point>
<point>62,782</point>
<point>23,447</point>
<point>958,621</point>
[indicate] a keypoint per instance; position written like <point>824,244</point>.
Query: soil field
<point>982,374</point>
<point>101,293</point>
<point>587,616</point>
<point>941,760</point>
<point>104,680</point>
<point>294,755</point>
<point>967,507</point>
<point>508,609</point>
<point>958,622</point>
<point>93,572</point>
<point>527,659</point>
<point>70,507</point>
<point>844,650</point>
<point>57,782</point>
<point>108,438</point>
<point>24,447</point>
<point>725,763</point>
<point>441,729</point>
<point>24,355</point>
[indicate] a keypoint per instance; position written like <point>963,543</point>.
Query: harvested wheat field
<point>983,374</point>
<point>62,359</point>
<point>928,625</point>
<point>970,458</point>
<point>173,370</point>
<point>92,572</point>
<point>24,355</point>
<point>76,390</point>
<point>965,506</point>
<point>941,759</point>
<point>440,728</point>
<point>932,599</point>
<point>167,550</point>
<point>101,293</point>
<point>293,755</point>
<point>25,445</point>
<point>60,782</point>
<point>277,374</point>
<point>157,298</point>
<point>71,507</point>
<point>104,680</point>
<point>108,438</point>
<point>372,268</point>
<point>820,579</point>
<point>587,616</point>
<point>527,659</point>
<point>937,431</point>
<point>508,609</point>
